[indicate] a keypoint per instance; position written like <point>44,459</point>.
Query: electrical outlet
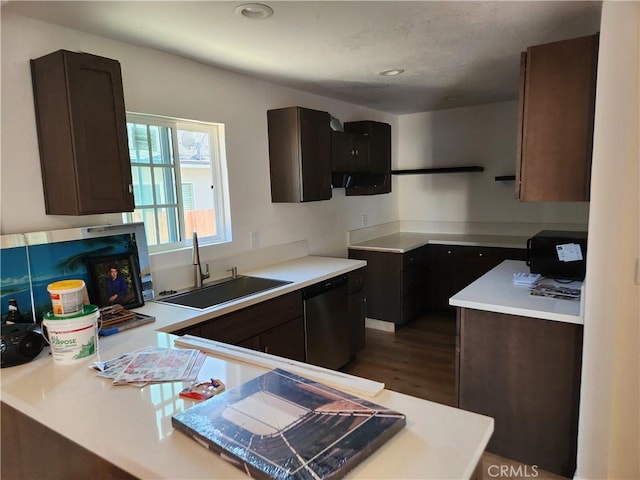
<point>254,239</point>
<point>365,220</point>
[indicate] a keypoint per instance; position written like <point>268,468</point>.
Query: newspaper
<point>563,293</point>
<point>152,364</point>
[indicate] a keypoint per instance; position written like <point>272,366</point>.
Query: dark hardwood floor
<point>419,360</point>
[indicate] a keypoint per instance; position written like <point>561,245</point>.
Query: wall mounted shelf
<point>504,178</point>
<point>422,171</point>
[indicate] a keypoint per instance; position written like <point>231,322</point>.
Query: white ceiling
<point>466,50</point>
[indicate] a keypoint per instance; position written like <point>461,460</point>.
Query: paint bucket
<point>73,338</point>
<point>67,297</point>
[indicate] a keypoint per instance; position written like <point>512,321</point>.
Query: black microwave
<point>558,254</point>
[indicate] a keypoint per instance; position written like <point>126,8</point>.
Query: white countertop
<point>495,292</point>
<point>402,242</point>
<point>131,427</point>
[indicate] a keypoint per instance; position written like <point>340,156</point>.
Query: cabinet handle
<point>449,252</point>
<point>130,188</point>
<point>479,254</point>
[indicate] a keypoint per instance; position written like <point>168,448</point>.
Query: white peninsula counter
<point>495,292</point>
<point>519,361</point>
<point>65,422</point>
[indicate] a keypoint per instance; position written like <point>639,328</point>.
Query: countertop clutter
<point>130,428</point>
<point>495,292</point>
<point>519,358</point>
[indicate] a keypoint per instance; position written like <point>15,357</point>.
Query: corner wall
<point>486,136</point>
<point>609,427</point>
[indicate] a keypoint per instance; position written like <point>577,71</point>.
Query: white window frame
<point>219,178</point>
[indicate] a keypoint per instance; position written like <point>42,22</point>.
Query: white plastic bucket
<point>67,297</point>
<point>73,339</point>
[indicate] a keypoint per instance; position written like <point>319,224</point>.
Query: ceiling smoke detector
<point>391,73</point>
<point>256,11</point>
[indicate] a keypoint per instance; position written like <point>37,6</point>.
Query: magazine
<point>283,426</point>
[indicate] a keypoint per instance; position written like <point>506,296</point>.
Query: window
<point>179,180</point>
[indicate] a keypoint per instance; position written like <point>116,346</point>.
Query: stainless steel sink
<point>223,292</point>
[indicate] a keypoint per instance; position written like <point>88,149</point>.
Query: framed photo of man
<point>115,280</point>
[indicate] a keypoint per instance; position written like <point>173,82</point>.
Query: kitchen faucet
<point>234,272</point>
<point>198,276</point>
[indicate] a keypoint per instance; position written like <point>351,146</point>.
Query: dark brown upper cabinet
<point>362,158</point>
<point>555,120</point>
<point>299,154</point>
<point>82,134</point>
<point>349,152</point>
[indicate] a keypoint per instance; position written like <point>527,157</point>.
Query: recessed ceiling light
<point>256,11</point>
<point>391,73</point>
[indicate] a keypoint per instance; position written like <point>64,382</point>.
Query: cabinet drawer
<point>251,321</point>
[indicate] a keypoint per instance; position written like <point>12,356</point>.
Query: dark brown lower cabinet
<point>275,326</point>
<point>401,286</point>
<point>30,450</point>
<point>525,373</point>
<point>286,340</point>
<point>396,283</point>
<point>453,267</point>
<point>357,309</point>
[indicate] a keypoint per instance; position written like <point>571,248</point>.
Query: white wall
<point>484,136</point>
<point>609,429</point>
<point>163,84</point>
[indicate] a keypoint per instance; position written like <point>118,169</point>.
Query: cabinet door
<point>383,280</point>
<point>555,135</point>
<point>286,340</point>
<point>378,179</point>
<point>414,283</point>
<point>453,267</point>
<point>525,373</point>
<point>299,154</point>
<point>249,322</point>
<point>349,152</point>
<point>441,277</point>
<point>356,307</point>
<point>82,134</point>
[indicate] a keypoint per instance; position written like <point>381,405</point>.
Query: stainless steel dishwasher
<point>326,323</point>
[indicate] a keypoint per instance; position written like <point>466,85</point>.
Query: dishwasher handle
<point>324,286</point>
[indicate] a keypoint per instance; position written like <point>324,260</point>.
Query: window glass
<point>185,190</point>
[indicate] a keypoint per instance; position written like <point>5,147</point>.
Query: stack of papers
<point>526,279</point>
<point>151,365</point>
<point>554,291</point>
